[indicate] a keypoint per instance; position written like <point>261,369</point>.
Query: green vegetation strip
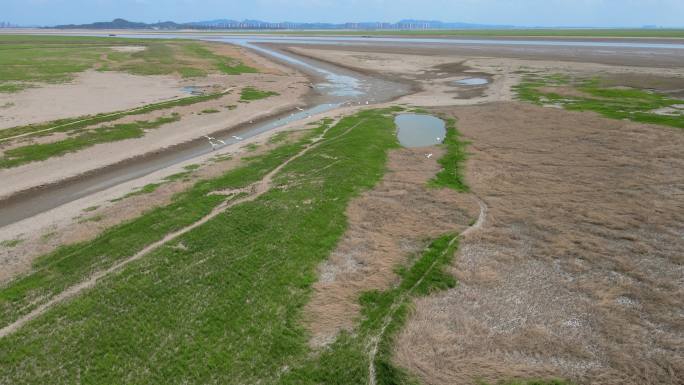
<point>616,103</point>
<point>41,151</point>
<point>66,125</point>
<point>453,161</point>
<point>71,264</point>
<point>251,93</point>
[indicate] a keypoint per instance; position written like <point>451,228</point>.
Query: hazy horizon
<point>523,13</point>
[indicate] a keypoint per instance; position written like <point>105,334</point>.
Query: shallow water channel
<point>418,130</point>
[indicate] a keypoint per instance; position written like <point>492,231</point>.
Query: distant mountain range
<point>258,24</point>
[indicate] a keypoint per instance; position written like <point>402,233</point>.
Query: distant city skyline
<point>524,13</point>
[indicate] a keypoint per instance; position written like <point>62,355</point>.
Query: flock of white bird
<point>216,143</point>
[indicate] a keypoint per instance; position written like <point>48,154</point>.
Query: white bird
<point>439,139</point>
<point>237,137</point>
<point>428,156</point>
<point>300,109</point>
<point>211,143</point>
<point>366,103</point>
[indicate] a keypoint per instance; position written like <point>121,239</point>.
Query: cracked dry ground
<point>578,271</point>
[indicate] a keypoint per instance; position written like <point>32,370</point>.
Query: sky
<point>548,13</point>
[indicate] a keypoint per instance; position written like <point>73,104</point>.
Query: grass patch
<point>47,236</point>
<point>251,147</point>
<point>146,189</point>
<point>26,60</point>
<point>11,242</point>
<point>189,72</point>
<point>91,208</point>
<point>453,161</point>
<point>10,88</point>
<point>192,167</point>
<point>223,308</point>
<point>94,218</point>
<point>210,111</point>
<point>42,151</point>
<point>279,137</point>
<point>250,93</point>
<point>615,103</point>
<point>178,176</point>
<point>221,158</point>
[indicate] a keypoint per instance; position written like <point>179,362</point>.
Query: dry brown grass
<point>386,225</point>
<point>578,271</point>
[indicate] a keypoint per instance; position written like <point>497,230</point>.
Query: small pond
<point>192,90</point>
<point>472,82</point>
<point>417,130</point>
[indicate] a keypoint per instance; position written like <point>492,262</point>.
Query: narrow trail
<point>374,342</point>
<point>122,113</point>
<point>255,190</point>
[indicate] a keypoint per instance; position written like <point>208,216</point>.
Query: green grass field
<point>453,161</point>
<point>250,93</point>
<point>27,61</point>
<point>616,103</point>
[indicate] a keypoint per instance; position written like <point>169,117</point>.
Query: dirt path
<point>255,190</point>
<point>375,340</point>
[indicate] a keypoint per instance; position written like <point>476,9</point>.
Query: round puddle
<point>415,130</point>
<point>472,82</point>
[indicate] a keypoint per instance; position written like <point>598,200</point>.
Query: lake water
<point>417,130</point>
